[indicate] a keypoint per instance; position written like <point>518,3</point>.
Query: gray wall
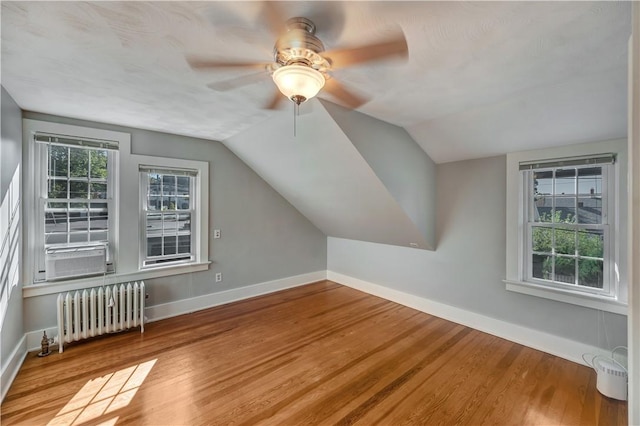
<point>467,269</point>
<point>321,173</point>
<point>11,157</point>
<point>263,236</point>
<point>405,169</point>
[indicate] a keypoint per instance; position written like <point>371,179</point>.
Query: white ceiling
<point>482,78</point>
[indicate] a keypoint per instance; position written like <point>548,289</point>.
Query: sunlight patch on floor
<point>103,395</point>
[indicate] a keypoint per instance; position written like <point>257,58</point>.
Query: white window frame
<point>199,207</point>
<point>125,204</point>
<point>147,261</point>
<point>608,211</point>
<point>516,276</point>
<point>35,190</point>
<point>41,189</point>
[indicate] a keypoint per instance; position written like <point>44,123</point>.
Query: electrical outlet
<point>216,233</point>
<point>218,277</point>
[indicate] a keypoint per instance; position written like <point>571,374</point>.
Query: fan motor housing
<point>299,45</point>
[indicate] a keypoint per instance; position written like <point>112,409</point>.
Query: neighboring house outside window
<point>168,215</point>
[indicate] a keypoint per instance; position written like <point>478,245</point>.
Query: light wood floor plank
<point>317,354</point>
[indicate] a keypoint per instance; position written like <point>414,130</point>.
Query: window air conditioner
<point>72,262</point>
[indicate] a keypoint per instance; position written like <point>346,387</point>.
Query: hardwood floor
<point>318,354</point>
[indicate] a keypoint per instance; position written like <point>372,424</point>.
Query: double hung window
<point>75,194</point>
<point>569,217</point>
<point>168,215</point>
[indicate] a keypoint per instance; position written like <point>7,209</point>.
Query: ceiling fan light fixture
<point>298,82</point>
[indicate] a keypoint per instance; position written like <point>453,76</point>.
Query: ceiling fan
<point>301,66</point>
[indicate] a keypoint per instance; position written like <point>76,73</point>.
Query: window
<point>168,215</point>
<point>75,194</point>
<point>566,227</point>
<point>568,217</point>
<point>78,192</point>
<point>77,205</point>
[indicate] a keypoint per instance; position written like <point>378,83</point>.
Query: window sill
<point>594,302</point>
<point>42,289</point>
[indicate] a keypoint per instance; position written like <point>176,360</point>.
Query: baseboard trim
<point>11,368</point>
<point>32,339</point>
<point>185,306</point>
<point>549,343</point>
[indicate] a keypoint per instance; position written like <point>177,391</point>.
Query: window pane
<point>57,188</point>
<point>182,203</point>
<point>99,236</point>
<point>565,241</point>
<point>99,191</point>
<point>543,208</point>
<point>170,224</point>
<point>154,203</point>
<point>590,181</point>
<point>184,222</point>
<point>154,246</point>
<point>98,164</point>
<point>168,185</point>
<point>591,273</point>
<point>591,243</point>
<point>78,189</point>
<point>98,220</point>
<point>168,203</point>
<point>184,244</point>
<point>565,210</point>
<point>154,224</point>
<point>78,221</point>
<point>590,210</point>
<point>183,185</point>
<point>543,183</point>
<point>565,181</point>
<point>55,222</point>
<point>565,270</point>
<point>78,162</point>
<point>169,245</point>
<point>57,205</point>
<point>541,239</point>
<point>154,184</point>
<point>58,160</point>
<point>80,237</point>
<point>56,238</point>
<point>542,266</point>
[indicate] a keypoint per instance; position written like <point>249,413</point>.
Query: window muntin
<point>168,216</point>
<point>567,228</point>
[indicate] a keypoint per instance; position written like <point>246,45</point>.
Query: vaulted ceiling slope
<point>482,78</point>
<point>322,174</point>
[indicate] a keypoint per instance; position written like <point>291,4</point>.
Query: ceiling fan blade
<point>199,63</point>
<point>388,49</point>
<point>346,97</point>
<point>275,101</point>
<point>234,83</point>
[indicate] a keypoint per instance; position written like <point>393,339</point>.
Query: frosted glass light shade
<point>298,81</point>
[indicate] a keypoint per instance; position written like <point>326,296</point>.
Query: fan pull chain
<point>296,112</point>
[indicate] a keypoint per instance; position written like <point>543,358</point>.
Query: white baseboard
<point>12,366</point>
<point>185,306</point>
<point>549,343</point>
